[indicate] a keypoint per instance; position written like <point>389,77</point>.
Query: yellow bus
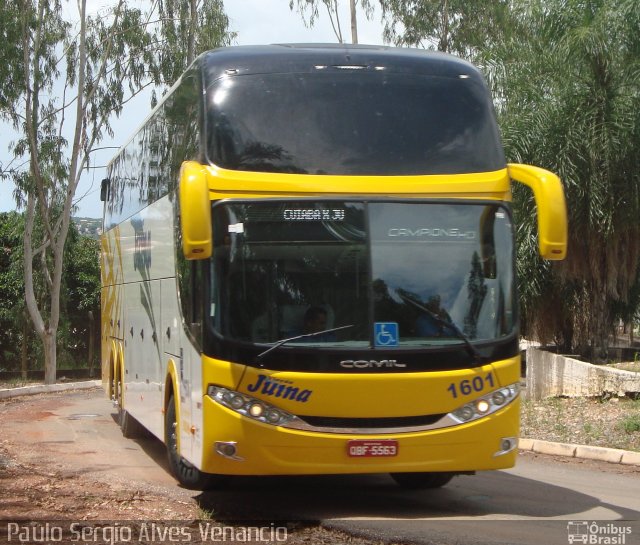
<point>308,268</point>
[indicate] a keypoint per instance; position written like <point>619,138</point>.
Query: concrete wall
<point>550,375</point>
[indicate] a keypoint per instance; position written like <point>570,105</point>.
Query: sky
<point>255,22</point>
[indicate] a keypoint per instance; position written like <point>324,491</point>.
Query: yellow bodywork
<point>552,209</point>
<point>196,178</point>
<point>263,449</point>
<point>239,184</point>
<point>271,450</point>
<point>195,211</point>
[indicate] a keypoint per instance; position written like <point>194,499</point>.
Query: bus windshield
<point>397,274</point>
<point>352,122</point>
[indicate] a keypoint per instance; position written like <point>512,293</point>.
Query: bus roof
<point>301,58</point>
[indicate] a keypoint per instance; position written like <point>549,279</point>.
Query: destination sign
<point>313,214</point>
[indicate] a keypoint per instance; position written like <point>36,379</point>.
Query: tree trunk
<point>354,22</point>
<point>49,343</point>
<point>91,342</point>
<point>443,43</point>
<point>25,340</point>
<point>600,327</point>
<point>191,45</point>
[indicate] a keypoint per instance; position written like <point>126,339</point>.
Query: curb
<point>8,393</point>
<point>603,454</point>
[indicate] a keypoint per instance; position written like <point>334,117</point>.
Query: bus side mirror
<point>552,209</point>
<point>195,211</point>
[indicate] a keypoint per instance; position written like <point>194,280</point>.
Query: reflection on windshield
<point>422,273</point>
<point>345,122</point>
<point>442,258</point>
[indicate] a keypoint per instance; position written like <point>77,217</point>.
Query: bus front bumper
<point>236,445</point>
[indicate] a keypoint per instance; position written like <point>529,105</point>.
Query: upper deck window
<point>352,122</point>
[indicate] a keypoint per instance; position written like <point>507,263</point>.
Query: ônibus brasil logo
<point>597,533</point>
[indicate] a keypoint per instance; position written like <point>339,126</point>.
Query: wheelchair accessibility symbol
<point>386,334</point>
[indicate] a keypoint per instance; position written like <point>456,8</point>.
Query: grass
<point>204,514</point>
<point>604,422</point>
<point>593,432</point>
<point>630,424</point>
<point>633,366</point>
<point>17,383</point>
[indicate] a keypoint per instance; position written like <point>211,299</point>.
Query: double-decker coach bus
<point>308,268</point>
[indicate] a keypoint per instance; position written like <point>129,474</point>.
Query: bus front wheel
<point>417,481</point>
<point>188,475</point>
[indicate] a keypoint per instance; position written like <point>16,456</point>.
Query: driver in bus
<point>315,321</point>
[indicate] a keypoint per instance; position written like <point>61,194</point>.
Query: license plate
<point>372,449</point>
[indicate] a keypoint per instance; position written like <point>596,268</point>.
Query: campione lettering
<point>436,232</point>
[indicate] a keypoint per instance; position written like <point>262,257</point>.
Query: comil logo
<point>594,533</point>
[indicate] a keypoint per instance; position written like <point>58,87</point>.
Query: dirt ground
<point>112,513</point>
<point>71,506</point>
<point>34,493</point>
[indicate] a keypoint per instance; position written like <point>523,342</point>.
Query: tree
<point>80,296</point>
<point>572,105</point>
<point>453,26</point>
<point>81,299</point>
<point>188,27</point>
<point>107,52</point>
<point>64,74</point>
<point>310,11</point>
<point>11,288</point>
<point>566,77</point>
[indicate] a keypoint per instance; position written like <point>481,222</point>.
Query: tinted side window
<point>147,167</point>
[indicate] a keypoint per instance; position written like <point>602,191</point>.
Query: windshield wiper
<point>279,343</point>
<point>472,350</point>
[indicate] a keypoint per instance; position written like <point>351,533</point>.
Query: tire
<point>131,428</point>
<point>421,481</point>
<point>188,475</point>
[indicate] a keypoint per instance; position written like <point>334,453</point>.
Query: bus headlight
<point>249,406</point>
<point>256,410</point>
<point>486,404</point>
<point>236,401</point>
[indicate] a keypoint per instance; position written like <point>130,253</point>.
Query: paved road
<point>528,505</point>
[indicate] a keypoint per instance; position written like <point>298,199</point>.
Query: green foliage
<point>631,423</point>
<point>187,28</point>
<point>566,77</point>
<point>309,10</point>
<point>453,26</point>
<point>11,68</point>
<point>571,104</point>
<point>81,296</point>
<point>79,71</point>
<point>11,287</point>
